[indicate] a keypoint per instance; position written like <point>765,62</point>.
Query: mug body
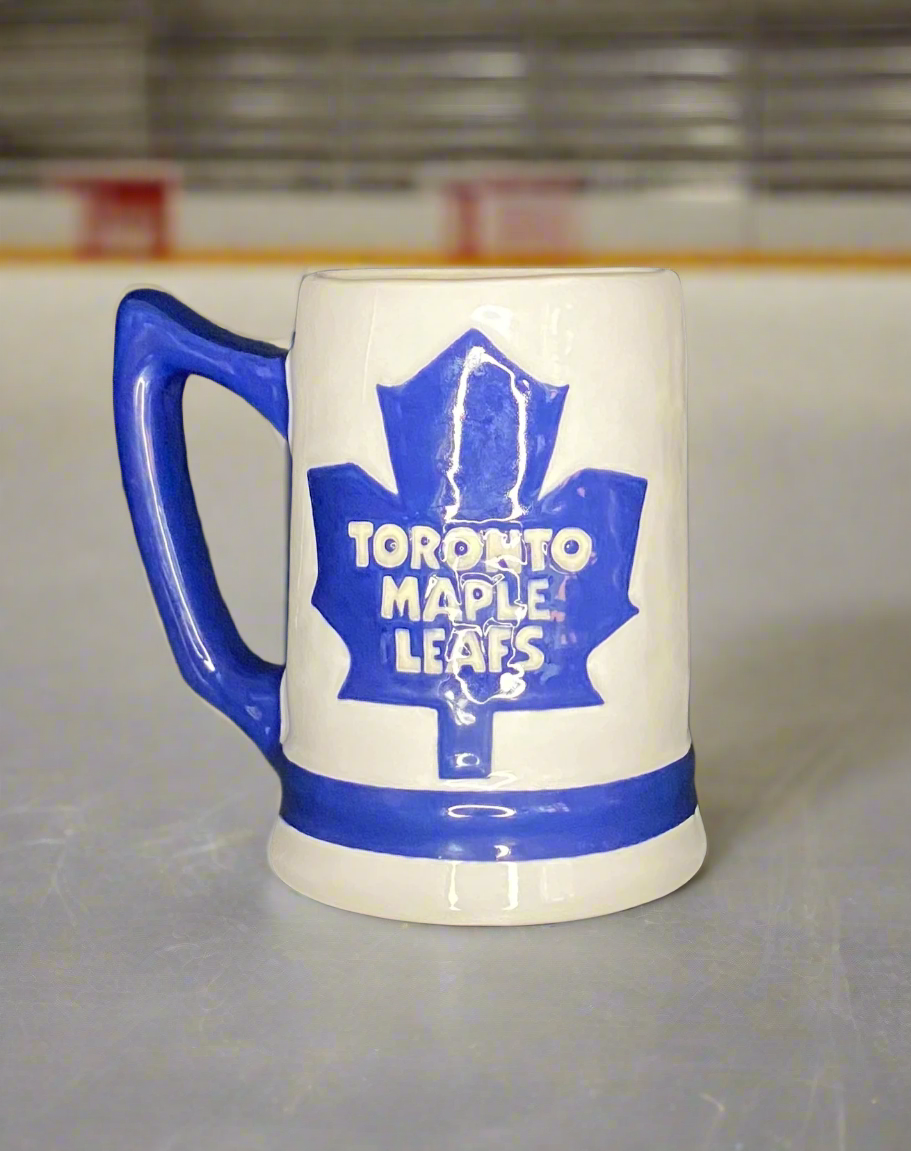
<point>484,713</point>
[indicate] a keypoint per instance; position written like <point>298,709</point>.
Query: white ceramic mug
<point>484,714</point>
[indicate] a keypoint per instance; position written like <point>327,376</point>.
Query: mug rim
<point>444,274</point>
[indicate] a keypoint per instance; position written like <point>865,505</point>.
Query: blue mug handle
<point>159,343</point>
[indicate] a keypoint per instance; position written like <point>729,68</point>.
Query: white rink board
<point>420,222</point>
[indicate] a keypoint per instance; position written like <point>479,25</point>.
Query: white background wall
<point>361,222</point>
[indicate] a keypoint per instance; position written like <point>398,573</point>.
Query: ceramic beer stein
<point>483,717</point>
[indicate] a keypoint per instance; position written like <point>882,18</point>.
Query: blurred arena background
<point>159,990</point>
<point>460,130</point>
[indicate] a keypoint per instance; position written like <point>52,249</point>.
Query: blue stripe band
<point>488,825</point>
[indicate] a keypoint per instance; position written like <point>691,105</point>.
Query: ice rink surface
<point>161,991</point>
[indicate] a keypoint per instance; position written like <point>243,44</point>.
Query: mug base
<point>487,894</point>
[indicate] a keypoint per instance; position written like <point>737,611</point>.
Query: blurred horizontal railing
<point>764,96</point>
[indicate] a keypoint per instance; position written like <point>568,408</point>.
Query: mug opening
<point>454,274</point>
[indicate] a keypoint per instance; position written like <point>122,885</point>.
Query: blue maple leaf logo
<point>467,591</point>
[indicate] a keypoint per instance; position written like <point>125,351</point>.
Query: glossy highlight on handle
<point>159,343</point>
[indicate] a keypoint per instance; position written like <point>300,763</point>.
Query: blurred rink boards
<point>474,131</point>
<point>535,215</point>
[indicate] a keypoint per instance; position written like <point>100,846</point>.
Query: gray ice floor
<point>161,991</point>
